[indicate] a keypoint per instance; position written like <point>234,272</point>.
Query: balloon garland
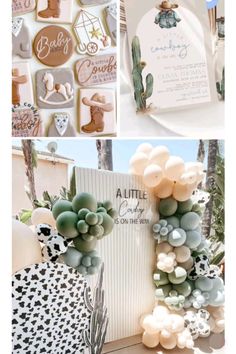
<point>68,233</point>
<point>189,290</point>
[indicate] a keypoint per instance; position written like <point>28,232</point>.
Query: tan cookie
<point>21,42</point>
<point>56,11</point>
<point>22,6</point>
<point>22,89</point>
<point>53,45</point>
<point>98,70</point>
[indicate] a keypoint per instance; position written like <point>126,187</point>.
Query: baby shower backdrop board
<point>128,253</point>
<point>179,57</point>
<point>34,27</point>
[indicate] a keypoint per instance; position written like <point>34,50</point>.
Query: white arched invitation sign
<point>128,252</point>
<point>179,58</point>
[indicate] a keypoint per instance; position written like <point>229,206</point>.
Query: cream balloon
<point>26,248</point>
<point>182,192</point>
<point>150,324</point>
<point>159,155</point>
<point>160,312</point>
<point>188,178</point>
<point>152,176</point>
<point>150,340</point>
<point>182,253</point>
<point>194,167</point>
<point>174,168</point>
<point>188,264</point>
<point>146,148</point>
<point>43,216</point>
<point>138,163</point>
<point>168,342</point>
<point>164,189</point>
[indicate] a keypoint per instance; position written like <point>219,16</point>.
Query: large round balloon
<point>174,168</point>
<point>152,175</point>
<point>26,248</point>
<point>60,206</point>
<point>67,224</point>
<point>43,216</point>
<point>84,200</point>
<point>138,163</point>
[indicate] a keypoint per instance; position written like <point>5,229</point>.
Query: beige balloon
<point>145,147</point>
<point>152,176</point>
<point>182,192</point>
<point>164,189</point>
<point>138,163</point>
<point>43,216</point>
<point>159,155</point>
<point>164,247</point>
<point>26,248</point>
<point>168,342</point>
<point>150,340</point>
<point>174,168</point>
<point>188,178</point>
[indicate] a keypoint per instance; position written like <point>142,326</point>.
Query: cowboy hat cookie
<point>22,6</point>
<point>55,11</point>
<point>21,42</point>
<point>55,88</point>
<point>61,126</point>
<point>53,45</point>
<point>97,112</point>
<point>90,34</point>
<point>91,71</point>
<point>22,89</point>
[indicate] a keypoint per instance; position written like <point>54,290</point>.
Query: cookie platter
<point>64,68</point>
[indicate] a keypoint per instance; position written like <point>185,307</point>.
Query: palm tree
<point>105,160</point>
<point>201,154</point>
<point>210,182</point>
<point>30,157</point>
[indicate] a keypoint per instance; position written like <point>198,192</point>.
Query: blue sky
<point>85,154</point>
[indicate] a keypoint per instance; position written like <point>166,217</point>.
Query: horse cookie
<point>21,42</point>
<point>98,70</point>
<point>97,112</point>
<point>53,45</point>
<point>22,89</point>
<point>55,88</point>
<point>58,11</point>
<point>61,126</point>
<point>22,6</point>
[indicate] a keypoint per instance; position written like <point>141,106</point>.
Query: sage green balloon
<point>113,213</point>
<point>82,227</point>
<point>86,261</point>
<point>60,206</point>
<point>108,224</point>
<point>96,230</point>
<point>185,207</point>
<point>101,210</point>
<point>72,257</point>
<point>91,219</point>
<point>100,218</point>
<point>184,289</point>
<point>107,205</point>
<point>85,246</point>
<point>87,237</point>
<point>92,270</point>
<point>84,200</point>
<point>67,224</point>
<point>173,221</point>
<point>163,278</point>
<point>82,213</point>
<point>82,270</point>
<point>178,276</point>
<point>190,221</point>
<point>168,206</point>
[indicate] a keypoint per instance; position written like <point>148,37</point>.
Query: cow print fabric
<point>49,311</point>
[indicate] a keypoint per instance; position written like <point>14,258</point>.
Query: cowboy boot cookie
<point>53,9</point>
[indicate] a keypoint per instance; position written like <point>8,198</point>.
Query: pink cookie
<point>22,6</point>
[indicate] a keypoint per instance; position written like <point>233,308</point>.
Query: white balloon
<point>150,340</point>
<point>138,163</point>
<point>26,248</point>
<point>159,155</point>
<point>150,324</point>
<point>152,176</point>
<point>164,189</point>
<point>43,216</point>
<point>145,147</point>
<point>188,178</point>
<point>168,343</point>
<point>174,168</point>
<point>194,167</point>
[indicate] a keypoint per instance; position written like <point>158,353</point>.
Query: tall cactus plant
<point>140,94</point>
<point>221,85</point>
<point>95,336</point>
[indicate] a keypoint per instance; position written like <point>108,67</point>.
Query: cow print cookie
<point>22,6</point>
<point>21,42</point>
<point>53,46</point>
<point>55,11</point>
<point>55,88</point>
<point>61,126</point>
<point>49,310</point>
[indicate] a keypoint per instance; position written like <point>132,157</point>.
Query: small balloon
<point>174,168</point>
<point>138,163</point>
<point>146,148</point>
<point>152,176</point>
<point>164,189</point>
<point>159,155</point>
<point>150,340</point>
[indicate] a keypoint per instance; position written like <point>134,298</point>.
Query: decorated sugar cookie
<point>26,121</point>
<point>57,11</point>
<point>55,88</point>
<point>97,111</point>
<point>22,89</point>
<point>90,34</point>
<point>93,2</point>
<point>61,126</point>
<point>53,45</point>
<point>98,70</point>
<point>21,42</point>
<point>22,6</point>
<point>111,20</point>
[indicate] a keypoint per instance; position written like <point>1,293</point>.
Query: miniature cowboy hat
<point>98,101</point>
<point>166,5</point>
